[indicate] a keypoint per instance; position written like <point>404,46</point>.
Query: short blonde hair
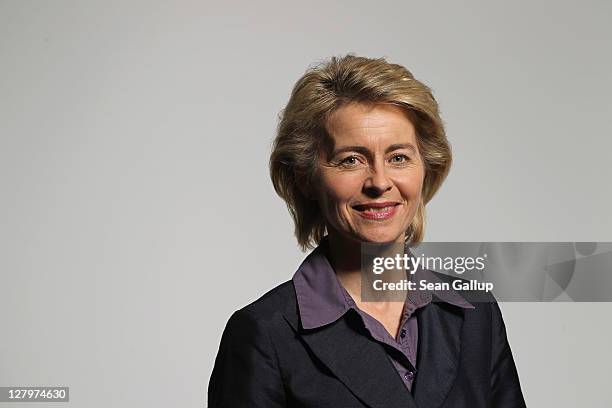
<point>301,133</point>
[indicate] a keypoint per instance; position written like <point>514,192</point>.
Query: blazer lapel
<point>358,362</point>
<point>439,351</point>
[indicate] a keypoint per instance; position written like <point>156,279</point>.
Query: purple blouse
<point>322,300</point>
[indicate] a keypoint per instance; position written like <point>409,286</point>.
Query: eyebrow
<point>366,151</point>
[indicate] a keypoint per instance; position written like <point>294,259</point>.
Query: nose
<point>377,181</point>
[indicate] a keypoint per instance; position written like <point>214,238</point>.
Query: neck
<point>345,258</point>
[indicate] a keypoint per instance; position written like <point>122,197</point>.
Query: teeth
<point>374,209</point>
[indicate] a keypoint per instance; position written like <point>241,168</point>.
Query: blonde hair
<point>301,133</point>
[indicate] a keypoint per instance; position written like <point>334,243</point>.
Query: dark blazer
<point>267,360</point>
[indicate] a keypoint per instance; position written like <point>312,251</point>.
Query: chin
<point>381,237</point>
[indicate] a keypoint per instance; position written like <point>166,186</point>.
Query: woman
<point>360,150</point>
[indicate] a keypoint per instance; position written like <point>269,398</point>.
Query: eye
<point>349,161</point>
<point>399,159</point>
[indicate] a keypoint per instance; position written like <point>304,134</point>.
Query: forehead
<point>359,123</point>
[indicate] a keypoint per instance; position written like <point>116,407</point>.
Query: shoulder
<point>249,344</point>
<point>272,302</point>
<point>269,309</point>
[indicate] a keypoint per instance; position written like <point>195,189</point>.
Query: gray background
<point>136,211</point>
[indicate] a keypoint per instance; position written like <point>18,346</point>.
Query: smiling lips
<point>377,211</point>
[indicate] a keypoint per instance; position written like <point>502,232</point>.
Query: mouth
<point>377,211</point>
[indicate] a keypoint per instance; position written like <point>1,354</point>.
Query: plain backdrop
<point>136,210</point>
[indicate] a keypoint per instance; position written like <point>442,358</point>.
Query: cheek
<point>411,185</point>
<point>339,189</point>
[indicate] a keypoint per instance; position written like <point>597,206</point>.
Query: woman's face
<point>371,179</point>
